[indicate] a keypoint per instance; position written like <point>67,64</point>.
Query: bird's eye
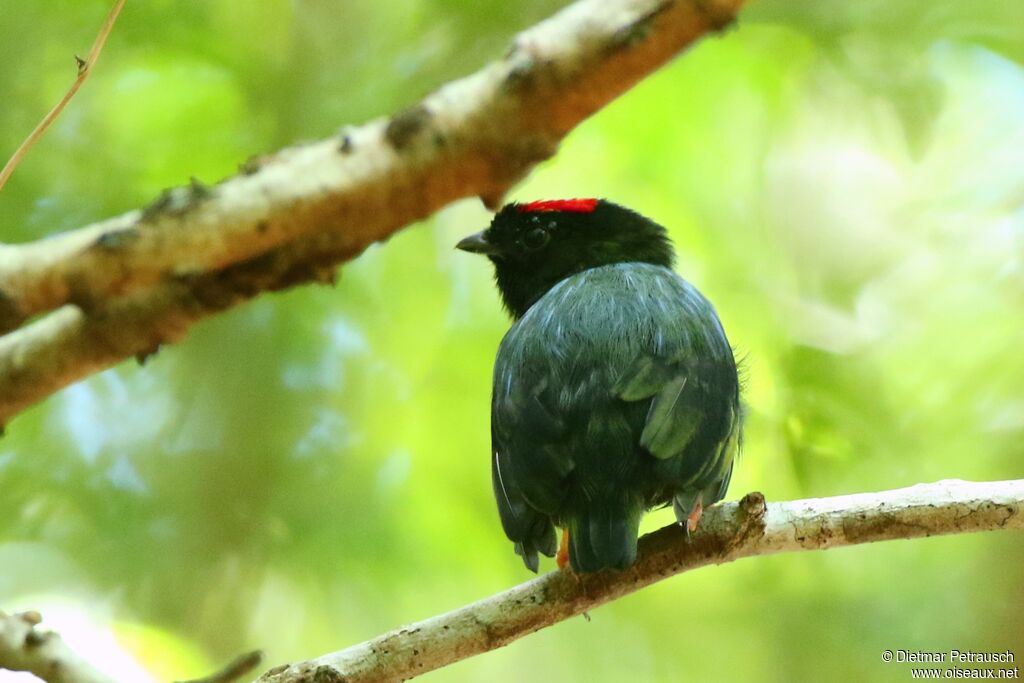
<point>536,238</point>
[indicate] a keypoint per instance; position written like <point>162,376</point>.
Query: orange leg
<point>562,558</point>
<point>691,521</point>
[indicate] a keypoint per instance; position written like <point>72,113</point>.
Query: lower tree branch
<point>23,647</point>
<point>728,532</point>
<point>70,343</point>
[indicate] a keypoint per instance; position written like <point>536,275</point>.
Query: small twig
<point>237,668</point>
<point>85,67</point>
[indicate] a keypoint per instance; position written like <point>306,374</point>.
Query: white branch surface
<point>124,286</point>
<point>24,647</point>
<point>727,532</point>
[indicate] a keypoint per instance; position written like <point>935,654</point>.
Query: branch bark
<point>728,532</point>
<point>23,647</point>
<point>125,285</point>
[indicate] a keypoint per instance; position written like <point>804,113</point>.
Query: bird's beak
<point>477,244</point>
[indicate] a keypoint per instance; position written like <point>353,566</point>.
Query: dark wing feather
<point>526,434</point>
<point>684,393</point>
<point>526,485</point>
<point>531,531</point>
<point>689,377</point>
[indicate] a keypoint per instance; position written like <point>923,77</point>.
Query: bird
<point>615,390</point>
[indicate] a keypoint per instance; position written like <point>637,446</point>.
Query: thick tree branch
<point>23,647</point>
<point>728,532</point>
<point>293,215</point>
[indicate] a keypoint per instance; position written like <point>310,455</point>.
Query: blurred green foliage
<point>844,180</point>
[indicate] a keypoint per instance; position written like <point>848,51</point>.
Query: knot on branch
<point>714,17</point>
<point>637,31</point>
<point>750,520</point>
<point>404,126</point>
<point>177,202</point>
<point>753,505</point>
<point>327,674</point>
<point>10,313</point>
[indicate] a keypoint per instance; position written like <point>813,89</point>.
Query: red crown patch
<point>572,205</point>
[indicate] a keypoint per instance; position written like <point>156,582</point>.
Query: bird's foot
<point>694,518</point>
<point>562,558</point>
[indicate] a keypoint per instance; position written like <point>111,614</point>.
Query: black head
<point>535,246</point>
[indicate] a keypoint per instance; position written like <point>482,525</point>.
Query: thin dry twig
<point>85,67</point>
<point>235,669</point>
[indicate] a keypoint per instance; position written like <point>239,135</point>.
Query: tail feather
<point>540,538</point>
<point>604,537</point>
